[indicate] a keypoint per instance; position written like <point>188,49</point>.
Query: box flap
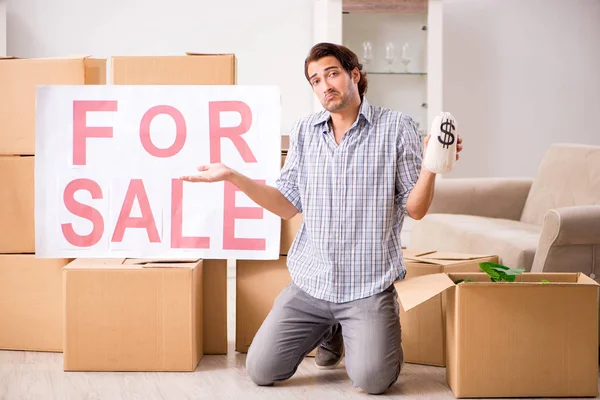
<point>410,253</point>
<point>414,291</point>
<point>443,255</point>
<point>583,279</point>
<point>140,261</point>
<point>161,263</point>
<point>421,260</point>
<point>94,262</point>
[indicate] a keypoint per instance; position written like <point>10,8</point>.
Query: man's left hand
<point>459,146</point>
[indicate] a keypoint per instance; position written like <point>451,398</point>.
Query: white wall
<point>270,37</point>
<point>518,76</point>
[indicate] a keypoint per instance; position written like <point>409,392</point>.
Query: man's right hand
<point>209,173</point>
<point>265,196</point>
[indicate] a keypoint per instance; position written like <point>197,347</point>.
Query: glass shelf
<point>395,73</point>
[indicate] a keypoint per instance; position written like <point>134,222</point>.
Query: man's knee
<point>375,380</point>
<point>258,370</point>
<point>264,370</point>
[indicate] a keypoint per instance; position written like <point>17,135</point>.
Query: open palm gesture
<point>209,173</point>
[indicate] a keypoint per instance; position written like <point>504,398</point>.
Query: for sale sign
<point>108,161</point>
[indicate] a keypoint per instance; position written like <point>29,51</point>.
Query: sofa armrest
<point>569,241</point>
<point>486,197</point>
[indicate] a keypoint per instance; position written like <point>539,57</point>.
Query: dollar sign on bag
<point>447,127</point>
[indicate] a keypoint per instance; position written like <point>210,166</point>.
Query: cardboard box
<point>19,79</point>
<point>191,69</point>
<point>423,327</point>
<point>17,204</point>
<point>214,293</point>
<point>30,303</point>
<point>520,339</point>
<point>132,315</point>
<point>258,283</point>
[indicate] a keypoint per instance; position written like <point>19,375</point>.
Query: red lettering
<point>215,108</point>
<point>180,131</point>
<point>230,242</point>
<point>178,241</point>
<point>83,211</point>
<point>81,131</point>
<point>136,190</point>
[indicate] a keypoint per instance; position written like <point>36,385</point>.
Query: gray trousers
<point>298,323</point>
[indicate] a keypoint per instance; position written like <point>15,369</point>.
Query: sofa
<point>549,223</point>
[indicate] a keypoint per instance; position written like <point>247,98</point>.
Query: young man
<point>353,171</point>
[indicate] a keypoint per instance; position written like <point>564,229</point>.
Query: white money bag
<point>441,149</point>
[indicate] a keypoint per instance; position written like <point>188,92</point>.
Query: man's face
<point>333,86</point>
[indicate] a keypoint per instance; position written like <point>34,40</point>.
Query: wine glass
<point>405,56</point>
<point>389,55</point>
<point>367,53</point>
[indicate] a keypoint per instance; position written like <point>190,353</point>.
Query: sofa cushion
<point>513,242</point>
<point>569,175</point>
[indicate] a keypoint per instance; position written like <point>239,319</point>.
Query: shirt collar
<point>364,110</point>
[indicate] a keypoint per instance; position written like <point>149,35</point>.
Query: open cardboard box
<point>424,327</point>
<point>520,339</point>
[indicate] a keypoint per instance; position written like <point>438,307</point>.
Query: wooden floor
<point>31,375</point>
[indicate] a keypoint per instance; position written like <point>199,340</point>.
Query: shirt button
<point>339,181</point>
<point>593,276</point>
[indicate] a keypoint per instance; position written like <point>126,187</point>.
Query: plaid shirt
<point>352,197</point>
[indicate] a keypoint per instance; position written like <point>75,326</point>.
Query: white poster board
<point>108,162</point>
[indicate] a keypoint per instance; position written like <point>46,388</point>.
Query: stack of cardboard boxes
<point>103,314</point>
<point>144,315</point>
<point>30,288</point>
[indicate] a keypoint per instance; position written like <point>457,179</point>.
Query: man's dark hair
<point>344,55</point>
